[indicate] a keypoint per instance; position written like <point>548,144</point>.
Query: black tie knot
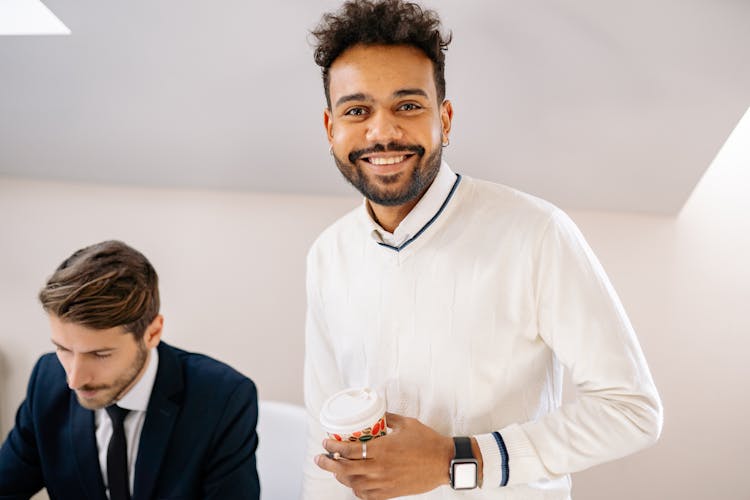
<point>117,414</point>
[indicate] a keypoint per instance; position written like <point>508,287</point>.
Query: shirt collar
<point>137,397</point>
<point>420,215</point>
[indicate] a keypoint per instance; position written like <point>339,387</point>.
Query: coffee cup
<point>356,414</point>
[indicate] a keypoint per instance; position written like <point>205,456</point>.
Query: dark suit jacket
<point>198,438</point>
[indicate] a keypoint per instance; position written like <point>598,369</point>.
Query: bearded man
<point>458,300</point>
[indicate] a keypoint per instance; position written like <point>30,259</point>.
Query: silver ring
<point>364,450</point>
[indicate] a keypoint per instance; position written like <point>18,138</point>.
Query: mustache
<point>390,147</point>
<point>87,388</point>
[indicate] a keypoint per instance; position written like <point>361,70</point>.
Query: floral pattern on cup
<point>366,434</point>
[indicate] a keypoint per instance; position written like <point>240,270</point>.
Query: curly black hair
<point>381,22</point>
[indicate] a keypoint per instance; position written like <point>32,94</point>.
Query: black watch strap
<point>463,447</point>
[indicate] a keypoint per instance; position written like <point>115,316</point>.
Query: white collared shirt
<point>136,400</point>
<point>422,212</point>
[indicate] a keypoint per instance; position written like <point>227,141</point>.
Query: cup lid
<point>351,410</point>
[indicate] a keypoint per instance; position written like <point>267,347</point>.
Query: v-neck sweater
<point>468,328</point>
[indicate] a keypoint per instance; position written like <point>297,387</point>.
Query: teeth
<point>386,161</point>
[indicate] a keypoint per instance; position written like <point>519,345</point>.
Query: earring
<point>330,150</point>
<point>447,142</point>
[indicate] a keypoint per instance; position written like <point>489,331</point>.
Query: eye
<point>102,355</point>
<point>356,111</point>
<point>409,106</point>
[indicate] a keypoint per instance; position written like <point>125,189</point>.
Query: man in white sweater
<point>460,301</point>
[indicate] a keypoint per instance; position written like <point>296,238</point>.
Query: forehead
<point>380,70</point>
<point>81,338</point>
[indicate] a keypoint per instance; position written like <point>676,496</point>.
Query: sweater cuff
<point>494,460</point>
<point>524,462</point>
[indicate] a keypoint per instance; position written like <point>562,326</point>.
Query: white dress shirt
<point>136,400</point>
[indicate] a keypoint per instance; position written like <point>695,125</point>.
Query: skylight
<point>29,17</point>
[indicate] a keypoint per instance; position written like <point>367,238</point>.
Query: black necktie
<point>117,456</point>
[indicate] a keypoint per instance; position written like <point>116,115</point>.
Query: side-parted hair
<point>103,286</point>
<point>381,22</point>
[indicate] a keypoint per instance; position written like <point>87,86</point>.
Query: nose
<point>78,373</point>
<point>383,128</point>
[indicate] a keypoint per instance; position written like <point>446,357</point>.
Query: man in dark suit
<point>116,413</point>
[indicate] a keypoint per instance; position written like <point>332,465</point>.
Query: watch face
<point>464,476</point>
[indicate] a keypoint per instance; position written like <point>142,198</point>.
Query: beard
<point>376,188</point>
<point>114,391</point>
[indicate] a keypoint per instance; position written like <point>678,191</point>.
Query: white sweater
<point>467,328</point>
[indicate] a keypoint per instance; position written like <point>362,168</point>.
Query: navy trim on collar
<point>429,222</point>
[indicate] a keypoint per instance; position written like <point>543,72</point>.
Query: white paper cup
<point>354,415</point>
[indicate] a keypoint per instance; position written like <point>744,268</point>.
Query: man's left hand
<point>411,459</point>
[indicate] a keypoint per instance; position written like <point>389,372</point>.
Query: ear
<point>328,124</point>
<point>152,337</point>
<point>446,117</point>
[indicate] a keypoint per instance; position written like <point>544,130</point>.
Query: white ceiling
<point>592,104</point>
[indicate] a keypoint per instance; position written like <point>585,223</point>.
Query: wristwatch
<point>463,466</point>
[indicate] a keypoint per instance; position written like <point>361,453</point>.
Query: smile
<point>384,156</point>
<point>386,161</point>
<point>387,164</point>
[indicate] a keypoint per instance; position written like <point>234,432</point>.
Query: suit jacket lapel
<point>163,408</point>
<point>85,451</point>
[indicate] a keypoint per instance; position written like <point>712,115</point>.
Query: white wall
<point>232,275</point>
<point>686,285</point>
<point>231,269</point>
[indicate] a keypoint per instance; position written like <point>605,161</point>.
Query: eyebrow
<point>365,97</point>
<point>353,97</point>
<point>103,349</point>
<point>408,92</point>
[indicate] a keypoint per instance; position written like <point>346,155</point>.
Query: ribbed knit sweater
<point>467,328</point>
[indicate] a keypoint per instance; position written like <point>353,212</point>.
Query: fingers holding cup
<point>338,450</point>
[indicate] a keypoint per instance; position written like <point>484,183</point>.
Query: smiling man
<point>117,413</point>
<point>460,301</point>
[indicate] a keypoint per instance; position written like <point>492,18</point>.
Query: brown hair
<point>381,22</point>
<point>103,286</point>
